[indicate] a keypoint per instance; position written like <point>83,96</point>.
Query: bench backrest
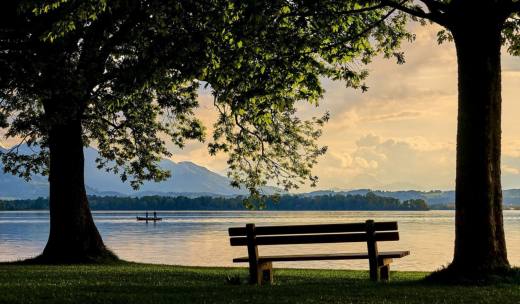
<point>369,231</point>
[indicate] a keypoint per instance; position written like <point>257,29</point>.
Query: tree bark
<point>480,245</point>
<point>73,235</point>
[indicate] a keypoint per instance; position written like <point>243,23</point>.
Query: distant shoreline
<point>337,202</point>
<point>513,208</point>
<point>140,211</point>
<point>367,202</point>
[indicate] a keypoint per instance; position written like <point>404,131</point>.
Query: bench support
<point>252,252</point>
<point>259,272</point>
<point>265,273</point>
<point>384,269</point>
<point>373,260</point>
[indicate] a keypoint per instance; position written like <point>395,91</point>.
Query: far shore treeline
<point>370,201</point>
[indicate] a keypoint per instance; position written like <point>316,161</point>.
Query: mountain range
<point>191,180</point>
<point>186,179</point>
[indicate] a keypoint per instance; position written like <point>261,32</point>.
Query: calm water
<point>200,238</point>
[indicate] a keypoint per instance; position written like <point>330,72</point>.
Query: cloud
<point>389,163</point>
<point>510,170</point>
<point>396,116</point>
<point>368,140</point>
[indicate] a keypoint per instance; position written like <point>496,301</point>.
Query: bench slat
<point>315,238</point>
<point>307,229</point>
<point>322,257</point>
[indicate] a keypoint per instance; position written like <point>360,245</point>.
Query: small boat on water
<point>149,219</point>
<point>146,218</point>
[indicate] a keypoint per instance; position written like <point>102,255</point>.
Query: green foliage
<point>511,33</point>
<point>128,75</point>
<point>84,12</point>
<point>272,56</point>
<point>130,70</point>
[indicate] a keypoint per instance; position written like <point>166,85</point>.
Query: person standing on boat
<point>146,214</point>
<point>154,214</point>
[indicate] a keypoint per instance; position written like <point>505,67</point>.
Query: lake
<point>200,238</point>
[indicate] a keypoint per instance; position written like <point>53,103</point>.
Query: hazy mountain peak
<point>186,177</point>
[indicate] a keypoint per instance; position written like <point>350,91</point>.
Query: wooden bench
<point>261,267</point>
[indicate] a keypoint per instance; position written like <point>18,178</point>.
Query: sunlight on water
<point>200,238</point>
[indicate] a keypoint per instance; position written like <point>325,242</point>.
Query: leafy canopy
<point>130,72</point>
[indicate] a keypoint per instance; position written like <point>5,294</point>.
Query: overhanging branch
<point>416,11</point>
<point>337,13</point>
<point>515,7</point>
<point>435,6</point>
<point>364,32</point>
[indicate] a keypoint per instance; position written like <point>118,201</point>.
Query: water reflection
<point>200,238</point>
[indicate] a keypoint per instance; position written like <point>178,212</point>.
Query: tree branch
<point>435,6</point>
<point>515,7</point>
<point>360,34</point>
<point>416,12</point>
<point>338,13</point>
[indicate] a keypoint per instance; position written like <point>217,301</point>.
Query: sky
<point>400,134</point>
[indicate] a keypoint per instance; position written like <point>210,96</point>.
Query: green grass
<point>141,283</point>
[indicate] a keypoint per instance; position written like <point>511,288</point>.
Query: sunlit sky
<point>401,133</point>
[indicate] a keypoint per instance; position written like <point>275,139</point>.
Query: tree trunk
<point>479,234</point>
<point>73,235</point>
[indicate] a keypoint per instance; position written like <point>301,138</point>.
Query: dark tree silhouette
<point>478,29</point>
<point>123,76</point>
<point>64,84</point>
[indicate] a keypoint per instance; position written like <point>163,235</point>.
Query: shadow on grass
<point>106,257</point>
<point>451,276</point>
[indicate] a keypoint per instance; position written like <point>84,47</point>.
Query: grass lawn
<point>142,283</point>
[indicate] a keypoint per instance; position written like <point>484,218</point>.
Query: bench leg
<point>265,273</point>
<point>254,277</point>
<point>374,272</point>
<point>385,273</point>
<point>384,269</point>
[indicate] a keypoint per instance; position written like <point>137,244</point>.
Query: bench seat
<point>324,257</point>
